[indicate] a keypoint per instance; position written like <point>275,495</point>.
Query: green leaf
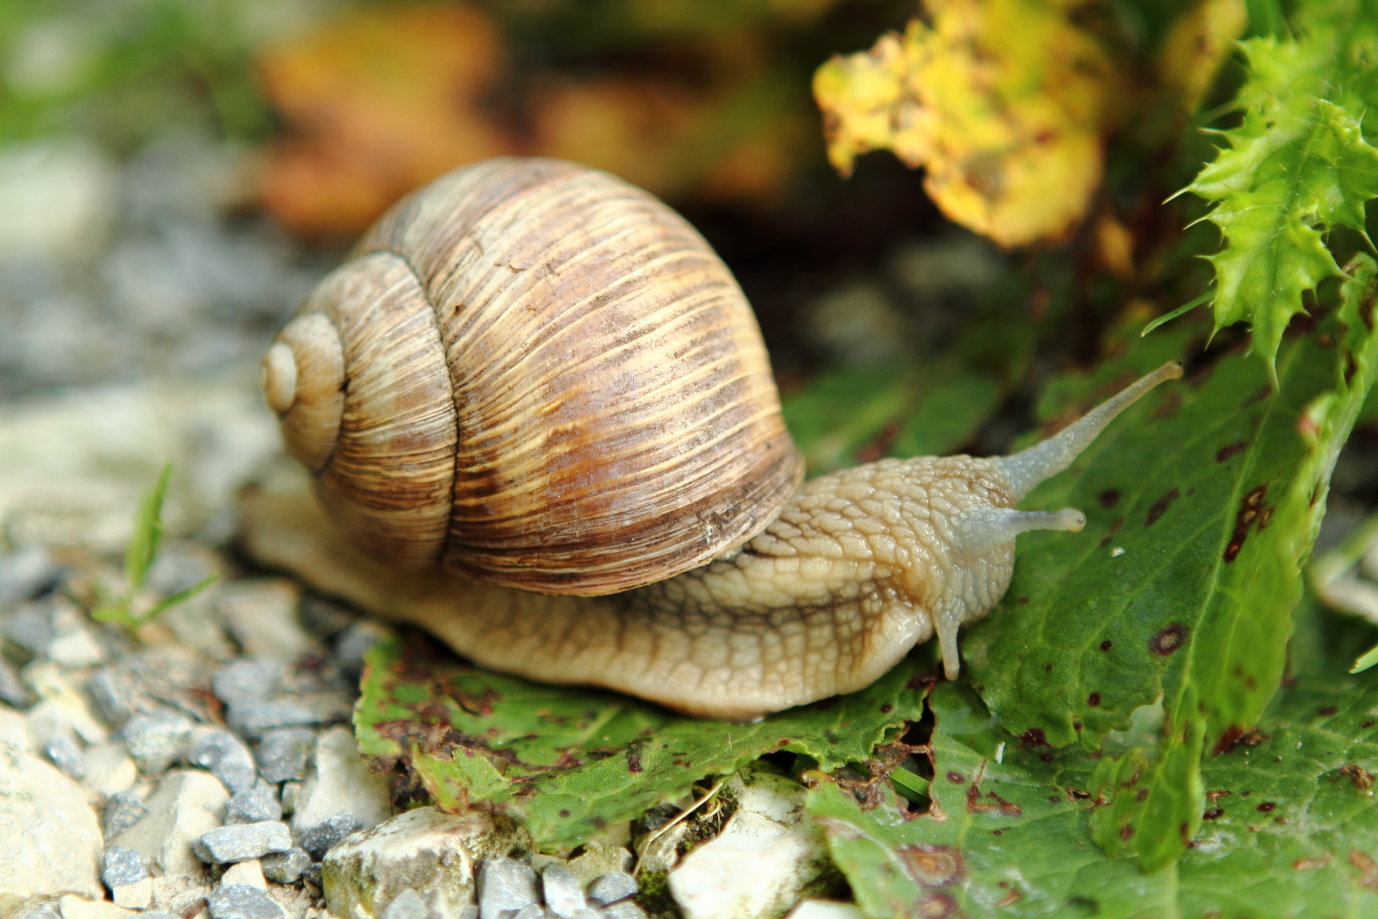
<point>1297,165</point>
<point>1201,508</point>
<point>1291,828</point>
<point>177,599</point>
<point>567,761</point>
<point>863,413</point>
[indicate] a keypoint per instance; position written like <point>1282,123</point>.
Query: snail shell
<point>539,376</point>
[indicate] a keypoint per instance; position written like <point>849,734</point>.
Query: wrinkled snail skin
<point>425,385</point>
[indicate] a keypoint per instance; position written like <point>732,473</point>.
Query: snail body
<point>541,379</point>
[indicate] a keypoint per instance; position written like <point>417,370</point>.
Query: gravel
<point>256,805</point>
<point>257,719</point>
<point>123,810</point>
<point>66,756</point>
<point>121,867</point>
<point>563,894</point>
<point>247,681</point>
<point>230,844</point>
<point>228,759</point>
<point>504,886</point>
<point>156,741</point>
<point>324,836</point>
<point>282,754</point>
<point>610,888</point>
<point>12,689</point>
<point>242,901</point>
<point>286,867</point>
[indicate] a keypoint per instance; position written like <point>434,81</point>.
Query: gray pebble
<point>26,573</point>
<point>242,841</point>
<point>563,894</point>
<point>353,643</point>
<point>324,836</point>
<point>257,719</point>
<point>121,867</point>
<point>611,887</point>
<point>246,681</point>
<point>156,741</point>
<point>504,886</point>
<point>286,867</point>
<point>12,689</point>
<point>123,810</point>
<point>626,909</point>
<point>228,760</point>
<point>406,905</point>
<point>66,756</point>
<point>109,701</point>
<point>242,901</point>
<point>253,806</point>
<point>282,754</point>
<point>312,874</point>
<point>30,628</point>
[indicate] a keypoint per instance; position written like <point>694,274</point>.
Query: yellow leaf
<point>1004,102</point>
<point>1198,43</point>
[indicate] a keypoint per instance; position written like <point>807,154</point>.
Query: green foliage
<point>567,762</point>
<point>123,609</point>
<point>1200,512</point>
<point>1295,167</point>
<point>1291,826</point>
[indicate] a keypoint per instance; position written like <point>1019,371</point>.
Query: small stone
<point>626,909</point>
<point>60,708</point>
<point>609,888</point>
<point>242,841</point>
<point>599,860</point>
<point>533,911</point>
<point>109,770</point>
<point>257,719</point>
<point>470,911</point>
<point>312,874</point>
<point>286,867</point>
<point>109,700</point>
<point>354,642</point>
<point>253,806</point>
<point>226,757</point>
<point>80,908</point>
<point>30,628</point>
<point>406,905</point>
<point>242,901</point>
<point>320,838</point>
<point>66,756</point>
<point>339,780</point>
<point>765,855</point>
<point>123,811</point>
<point>156,741</point>
<point>291,793</point>
<point>76,648</point>
<point>564,896</point>
<point>121,867</point>
<point>503,885</point>
<point>26,573</point>
<point>246,681</point>
<point>186,805</point>
<point>138,895</point>
<point>12,689</point>
<point>825,909</point>
<point>282,754</point>
<point>261,614</point>
<point>49,840</point>
<point>247,872</point>
<point>422,849</point>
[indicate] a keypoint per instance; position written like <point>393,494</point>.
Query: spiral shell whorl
<point>611,412</point>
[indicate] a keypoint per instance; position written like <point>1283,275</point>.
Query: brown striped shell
<point>537,375</point>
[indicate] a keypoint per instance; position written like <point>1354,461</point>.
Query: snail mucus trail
<point>428,386</point>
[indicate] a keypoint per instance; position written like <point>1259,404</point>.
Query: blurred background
<point>176,174</point>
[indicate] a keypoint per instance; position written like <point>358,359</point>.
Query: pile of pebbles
<point>207,768</point>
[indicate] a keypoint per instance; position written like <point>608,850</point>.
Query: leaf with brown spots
<point>1197,608</point>
<point>566,761</point>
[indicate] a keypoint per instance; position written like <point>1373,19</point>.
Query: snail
<point>540,380</point>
